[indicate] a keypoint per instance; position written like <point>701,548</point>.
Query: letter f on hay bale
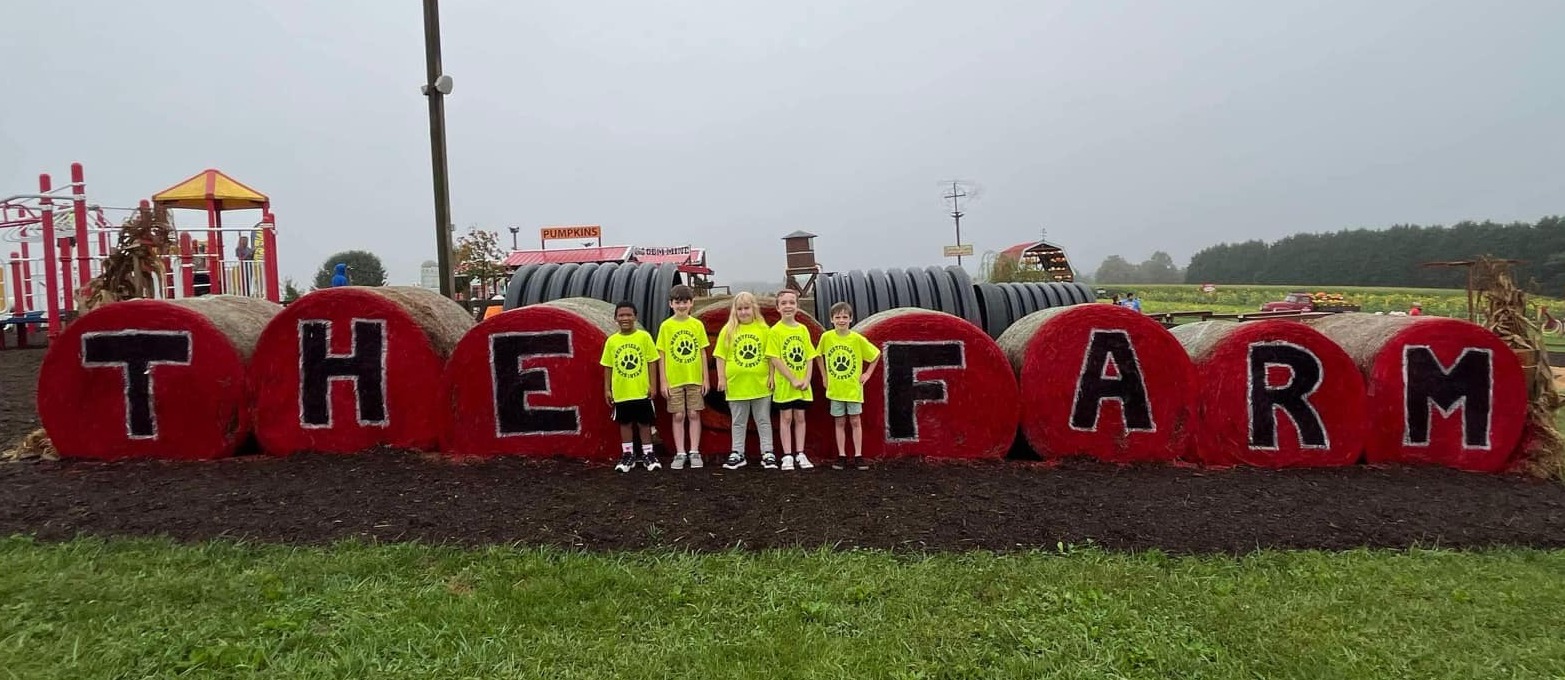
<point>152,379</point>
<point>1101,381</point>
<point>945,390</point>
<point>1274,394</point>
<point>528,382</point>
<point>1441,391</point>
<point>345,369</point>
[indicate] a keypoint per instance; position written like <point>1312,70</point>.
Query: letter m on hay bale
<point>152,379</point>
<point>346,369</point>
<point>1441,391</point>
<point>1101,381</point>
<point>943,390</point>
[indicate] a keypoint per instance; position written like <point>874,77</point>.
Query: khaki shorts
<point>685,398</point>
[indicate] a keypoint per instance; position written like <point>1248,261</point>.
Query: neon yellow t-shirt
<point>680,343</point>
<point>745,365</point>
<point>631,356</point>
<point>844,357</point>
<point>792,345</point>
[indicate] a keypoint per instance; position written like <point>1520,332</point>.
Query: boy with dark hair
<point>629,378</point>
<point>843,352</point>
<point>682,343</point>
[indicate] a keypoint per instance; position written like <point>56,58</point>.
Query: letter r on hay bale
<point>1441,391</point>
<point>152,379</point>
<point>342,370</point>
<point>1274,394</point>
<point>1102,381</point>
<point>943,389</point>
<point>528,382</point>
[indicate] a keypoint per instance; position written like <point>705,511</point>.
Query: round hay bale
<point>1100,381</point>
<point>1441,391</point>
<point>153,379</point>
<point>943,388</point>
<point>528,383</point>
<point>1274,394</point>
<point>342,370</point>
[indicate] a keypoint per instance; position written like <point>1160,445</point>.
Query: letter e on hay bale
<point>152,379</point>
<point>1441,391</point>
<point>341,370</point>
<point>943,388</point>
<point>1102,381</point>
<point>527,382</point>
<point>1274,394</point>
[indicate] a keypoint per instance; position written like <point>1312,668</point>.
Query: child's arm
<point>870,370</point>
<point>662,373</point>
<point>608,384</point>
<point>722,375</point>
<point>704,379</point>
<point>656,377</point>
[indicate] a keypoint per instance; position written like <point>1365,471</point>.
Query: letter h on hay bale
<point>1441,391</point>
<point>1101,381</point>
<point>342,370</point>
<point>1274,394</point>
<point>528,382</point>
<point>944,388</point>
<point>153,379</point>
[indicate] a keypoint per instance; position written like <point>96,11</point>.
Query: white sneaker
<point>695,459</point>
<point>678,463</point>
<point>802,462</point>
<point>787,463</point>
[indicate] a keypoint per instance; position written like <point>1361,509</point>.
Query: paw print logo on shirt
<point>685,349</point>
<point>795,356</point>
<point>627,362</point>
<point>747,351</point>
<point>839,361</point>
<point>793,352</point>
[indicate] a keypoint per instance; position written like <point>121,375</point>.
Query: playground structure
<point>62,240</point>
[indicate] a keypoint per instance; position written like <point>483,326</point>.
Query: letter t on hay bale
<point>152,379</point>
<point>528,382</point>
<point>1274,394</point>
<point>1441,391</point>
<point>345,369</point>
<point>943,389</point>
<point>1102,381</point>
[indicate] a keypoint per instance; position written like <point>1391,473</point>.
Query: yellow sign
<point>578,232</point>
<point>958,251</point>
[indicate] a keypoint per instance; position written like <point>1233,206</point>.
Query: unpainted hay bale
<point>1274,394</point>
<point>342,370</point>
<point>943,388</point>
<point>1441,391</point>
<point>1100,380</point>
<point>152,379</point>
<point>527,382</point>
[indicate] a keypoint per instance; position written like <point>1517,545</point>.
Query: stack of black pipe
<point>644,284</point>
<point>990,306</point>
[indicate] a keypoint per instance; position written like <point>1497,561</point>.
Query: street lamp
<point>514,232</point>
<point>436,88</point>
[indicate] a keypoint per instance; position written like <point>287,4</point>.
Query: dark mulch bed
<point>18,385</point>
<point>391,496</point>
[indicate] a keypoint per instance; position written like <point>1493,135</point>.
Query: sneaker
<point>841,462</point>
<point>769,461</point>
<point>650,461</point>
<point>787,463</point>
<point>862,464</point>
<point>679,462</point>
<point>626,462</point>
<point>695,460</point>
<point>801,461</point>
<point>735,461</point>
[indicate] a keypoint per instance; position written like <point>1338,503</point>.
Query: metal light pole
<point>436,89</point>
<point>956,215</point>
<point>514,232</point>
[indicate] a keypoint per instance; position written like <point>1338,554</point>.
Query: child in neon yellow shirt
<point>791,352</point>
<point>745,375</point>
<point>842,354</point>
<point>629,378</point>
<point>682,343</point>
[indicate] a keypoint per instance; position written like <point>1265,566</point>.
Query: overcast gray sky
<point>1121,127</point>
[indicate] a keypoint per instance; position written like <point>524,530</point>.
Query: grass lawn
<point>139,608</point>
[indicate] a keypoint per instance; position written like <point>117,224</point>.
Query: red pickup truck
<point>1304,302</point>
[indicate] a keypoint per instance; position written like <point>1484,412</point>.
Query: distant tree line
<point>1159,268</point>
<point>1389,257</point>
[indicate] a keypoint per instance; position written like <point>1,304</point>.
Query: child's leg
<point>798,431</point>
<point>841,422</point>
<point>858,435</point>
<point>679,432</point>
<point>626,434</point>
<point>693,417</point>
<point>740,412</point>
<point>763,423</point>
<point>787,431</point>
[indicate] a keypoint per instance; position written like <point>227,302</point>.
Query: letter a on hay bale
<point>527,382</point>
<point>943,389</point>
<point>1274,394</point>
<point>1441,391</point>
<point>345,369</point>
<point>152,379</point>
<point>1102,381</point>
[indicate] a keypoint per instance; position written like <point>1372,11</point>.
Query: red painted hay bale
<point>1449,364</point>
<point>1274,394</point>
<point>152,379</point>
<point>951,388</point>
<point>1078,367</point>
<point>342,370</point>
<point>548,378</point>
<point>716,436</point>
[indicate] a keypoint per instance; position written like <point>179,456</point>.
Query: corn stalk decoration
<point>1504,311</point>
<point>136,265</point>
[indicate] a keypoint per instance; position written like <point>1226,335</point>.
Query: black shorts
<point>795,405</point>
<point>635,411</point>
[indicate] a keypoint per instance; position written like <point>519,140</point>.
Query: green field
<point>1231,299</point>
<point>143,608</point>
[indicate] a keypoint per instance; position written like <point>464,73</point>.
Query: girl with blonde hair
<point>745,376</point>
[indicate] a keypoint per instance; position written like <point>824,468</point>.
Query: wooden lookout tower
<point>800,246</point>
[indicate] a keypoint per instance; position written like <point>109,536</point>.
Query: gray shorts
<point>846,408</point>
